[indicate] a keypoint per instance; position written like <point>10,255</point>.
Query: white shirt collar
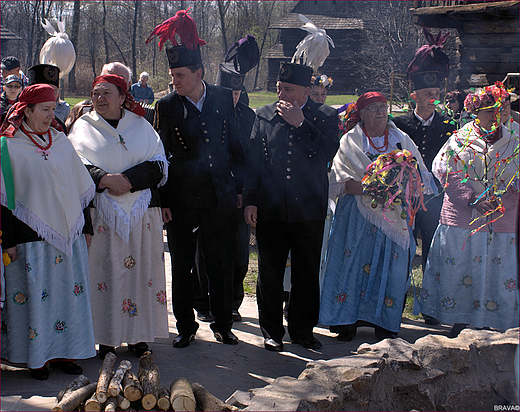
<point>200,103</point>
<point>427,122</point>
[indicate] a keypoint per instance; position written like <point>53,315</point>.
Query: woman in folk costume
<point>471,273</point>
<point>366,272</point>
<point>125,157</point>
<point>44,191</point>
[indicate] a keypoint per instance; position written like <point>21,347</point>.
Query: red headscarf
<point>364,100</point>
<point>129,103</point>
<point>37,93</point>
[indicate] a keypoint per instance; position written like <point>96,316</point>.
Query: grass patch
<point>252,274</point>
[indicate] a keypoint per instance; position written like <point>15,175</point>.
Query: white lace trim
<point>163,164</point>
<point>116,218</point>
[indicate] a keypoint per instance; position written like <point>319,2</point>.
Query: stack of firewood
<point>122,390</point>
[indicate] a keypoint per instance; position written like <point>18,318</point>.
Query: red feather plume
<point>182,25</point>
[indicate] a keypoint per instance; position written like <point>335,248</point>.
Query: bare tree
<point>74,39</point>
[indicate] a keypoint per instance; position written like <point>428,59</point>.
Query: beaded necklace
<point>39,146</point>
<point>382,148</point>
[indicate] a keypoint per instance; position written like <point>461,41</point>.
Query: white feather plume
<point>314,48</point>
<point>58,50</point>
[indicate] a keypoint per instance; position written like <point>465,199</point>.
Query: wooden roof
<point>446,16</point>
<point>8,35</point>
<point>292,21</point>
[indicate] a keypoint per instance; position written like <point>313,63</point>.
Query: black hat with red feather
<point>187,53</point>
<point>430,64</point>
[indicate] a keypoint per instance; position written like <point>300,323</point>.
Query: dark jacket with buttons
<point>429,139</point>
<point>203,148</point>
<point>286,175</point>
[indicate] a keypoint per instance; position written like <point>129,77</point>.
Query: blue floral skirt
<point>47,313</point>
<point>477,285</point>
<point>365,273</point>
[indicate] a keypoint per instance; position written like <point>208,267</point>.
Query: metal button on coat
<point>288,177</point>
<point>289,152</point>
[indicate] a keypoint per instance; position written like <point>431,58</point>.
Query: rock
<point>475,371</point>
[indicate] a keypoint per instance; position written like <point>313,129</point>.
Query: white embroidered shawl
<point>50,194</point>
<point>350,163</point>
<point>99,144</point>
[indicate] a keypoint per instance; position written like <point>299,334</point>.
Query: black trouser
<point>216,230</point>
<point>201,298</point>
<point>427,223</point>
<point>274,240</point>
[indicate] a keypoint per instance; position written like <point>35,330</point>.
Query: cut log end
<point>148,401</point>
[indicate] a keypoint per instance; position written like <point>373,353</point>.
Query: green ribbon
<point>8,173</point>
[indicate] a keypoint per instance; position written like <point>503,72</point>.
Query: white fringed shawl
<point>99,144</point>
<point>50,194</point>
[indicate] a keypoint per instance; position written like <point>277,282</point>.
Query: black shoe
<point>139,349</point>
<point>205,317</point>
<point>70,368</point>
<point>104,349</point>
<point>382,333</point>
<point>309,343</point>
<point>430,320</point>
<point>183,339</point>
<point>236,316</point>
<point>40,374</point>
<point>273,345</point>
<point>227,337</point>
<point>456,329</point>
<point>346,333</point>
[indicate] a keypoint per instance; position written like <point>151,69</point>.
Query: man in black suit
<point>285,195</point>
<point>199,131</point>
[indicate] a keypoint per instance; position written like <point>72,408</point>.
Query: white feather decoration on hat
<point>314,48</point>
<point>58,50</point>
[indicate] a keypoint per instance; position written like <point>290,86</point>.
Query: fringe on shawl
<point>163,164</point>
<point>116,218</point>
<point>402,239</point>
<point>46,232</point>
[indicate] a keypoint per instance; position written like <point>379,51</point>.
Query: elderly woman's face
<point>39,117</point>
<point>486,117</point>
<point>107,101</point>
<point>375,116</point>
<point>318,94</point>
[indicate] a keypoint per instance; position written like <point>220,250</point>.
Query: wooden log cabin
<point>488,38</point>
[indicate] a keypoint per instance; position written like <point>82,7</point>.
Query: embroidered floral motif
<point>20,298</point>
<point>491,305</point>
<point>363,293</point>
<point>45,295</point>
<point>510,284</point>
<point>129,262</point>
<point>341,298</point>
<point>373,229</point>
<point>477,259</point>
<point>57,260</point>
<point>78,288</point>
<point>448,303</point>
<point>102,286</point>
<point>389,302</point>
<point>32,333</point>
<point>497,260</point>
<point>28,267</point>
<point>424,294</point>
<point>476,304</point>
<point>467,281</point>
<point>60,326</point>
<point>395,255</point>
<point>437,277</point>
<point>347,253</point>
<point>129,307</point>
<point>101,230</point>
<point>450,261</point>
<point>513,241</point>
<point>161,297</point>
<point>148,226</point>
<point>366,269</point>
<point>150,283</point>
